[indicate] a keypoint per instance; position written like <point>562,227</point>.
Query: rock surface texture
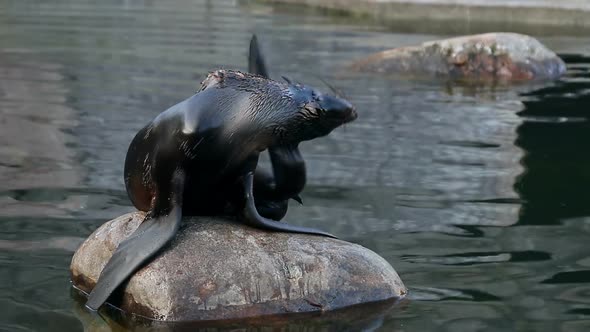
<point>219,269</point>
<point>491,56</point>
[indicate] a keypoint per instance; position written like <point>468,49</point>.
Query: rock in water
<point>490,56</point>
<point>216,268</point>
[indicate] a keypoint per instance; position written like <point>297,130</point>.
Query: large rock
<point>219,269</point>
<point>491,56</point>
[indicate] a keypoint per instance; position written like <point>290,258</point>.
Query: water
<point>478,196</point>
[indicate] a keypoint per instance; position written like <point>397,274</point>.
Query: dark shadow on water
<point>579,311</point>
<point>556,183</point>
<point>469,231</point>
<point>569,277</point>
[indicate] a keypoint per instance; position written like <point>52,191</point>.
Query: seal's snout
<point>352,115</point>
<point>339,109</point>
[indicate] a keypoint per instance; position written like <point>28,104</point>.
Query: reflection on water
<point>475,194</point>
<point>367,317</point>
<point>553,151</point>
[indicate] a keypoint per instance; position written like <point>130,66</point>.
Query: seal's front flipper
<point>289,172</point>
<point>151,235</point>
<point>256,63</point>
<point>252,217</point>
<point>297,199</point>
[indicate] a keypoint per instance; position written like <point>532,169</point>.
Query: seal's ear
<point>256,63</point>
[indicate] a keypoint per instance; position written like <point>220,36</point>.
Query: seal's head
<point>289,112</point>
<point>317,113</point>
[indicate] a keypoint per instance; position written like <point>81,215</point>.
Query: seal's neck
<point>273,116</point>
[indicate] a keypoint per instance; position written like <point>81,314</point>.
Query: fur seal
<point>200,157</point>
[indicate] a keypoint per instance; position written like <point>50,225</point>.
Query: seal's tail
<point>151,235</point>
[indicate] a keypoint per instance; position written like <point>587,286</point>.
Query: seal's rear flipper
<point>251,216</point>
<point>256,64</point>
<point>151,235</point>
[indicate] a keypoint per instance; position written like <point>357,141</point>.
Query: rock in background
<point>218,269</point>
<point>490,56</point>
